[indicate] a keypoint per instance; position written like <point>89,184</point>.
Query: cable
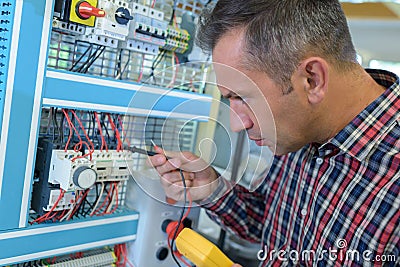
<point>98,199</point>
<point>50,118</point>
<point>141,70</point>
<point>90,122</point>
<point>171,21</point>
<point>124,136</point>
<point>153,4</point>
<point>116,199</point>
<point>155,63</point>
<point>103,141</point>
<point>117,134</point>
<point>77,206</point>
<point>93,60</point>
<point>81,57</point>
<point>70,129</point>
<point>78,146</point>
<point>180,218</point>
<point>121,72</point>
<point>44,217</point>
<point>60,138</point>
<point>89,58</point>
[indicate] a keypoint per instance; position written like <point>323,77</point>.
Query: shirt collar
<point>362,133</point>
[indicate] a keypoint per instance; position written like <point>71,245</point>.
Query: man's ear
<point>314,75</point>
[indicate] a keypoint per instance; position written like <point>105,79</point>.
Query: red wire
<point>82,198</point>
<point>60,196</point>
<point>83,129</point>
<point>72,126</point>
<point>110,197</point>
<point>141,68</point>
<point>119,146</point>
<point>70,130</point>
<point>182,259</point>
<point>62,214</point>
<point>116,198</point>
<point>176,68</point>
<point>52,216</point>
<point>123,131</point>
<point>124,253</point>
<point>121,254</point>
<point>153,4</point>
<point>176,59</point>
<point>104,202</point>
<point>103,142</point>
<point>77,197</point>
<point>188,208</point>
<point>77,146</point>
<point>91,147</point>
<point>45,216</point>
<point>177,254</point>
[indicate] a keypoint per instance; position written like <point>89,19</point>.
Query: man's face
<point>257,103</point>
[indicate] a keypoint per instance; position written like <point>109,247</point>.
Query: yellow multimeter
<point>200,251</point>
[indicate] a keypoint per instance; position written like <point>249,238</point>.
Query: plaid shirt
<point>335,204</point>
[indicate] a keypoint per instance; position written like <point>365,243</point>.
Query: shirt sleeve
<point>237,210</point>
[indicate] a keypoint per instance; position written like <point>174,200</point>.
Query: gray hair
<point>281,33</point>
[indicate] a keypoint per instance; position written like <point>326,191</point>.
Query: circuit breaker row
<point>73,172</point>
<point>119,24</point>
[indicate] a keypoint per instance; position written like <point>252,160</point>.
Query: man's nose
<point>239,118</point>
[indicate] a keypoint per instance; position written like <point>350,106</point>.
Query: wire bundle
<point>90,59</point>
<point>121,254</point>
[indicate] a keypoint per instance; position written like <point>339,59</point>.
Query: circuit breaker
<point>64,172</point>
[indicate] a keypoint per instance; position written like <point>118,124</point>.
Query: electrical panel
<point>83,63</point>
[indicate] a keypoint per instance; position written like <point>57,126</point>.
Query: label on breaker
<point>6,26</point>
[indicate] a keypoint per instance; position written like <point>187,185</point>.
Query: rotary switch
<point>84,177</point>
<point>123,16</point>
<point>85,10</point>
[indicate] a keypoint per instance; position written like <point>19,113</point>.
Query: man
<point>331,197</point>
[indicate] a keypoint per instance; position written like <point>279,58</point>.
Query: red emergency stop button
<point>85,10</point>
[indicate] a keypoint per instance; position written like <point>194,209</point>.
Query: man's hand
<point>200,178</point>
<point>236,265</point>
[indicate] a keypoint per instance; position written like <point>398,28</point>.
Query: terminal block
<point>177,40</point>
